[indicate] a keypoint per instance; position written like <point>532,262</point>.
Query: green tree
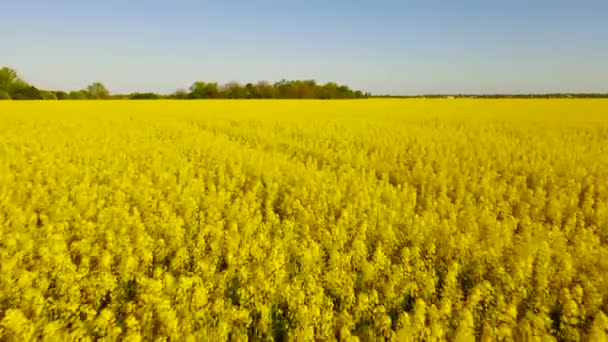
<point>344,92</point>
<point>78,95</point>
<point>4,95</point>
<point>202,90</point>
<point>251,92</point>
<point>98,91</point>
<point>14,86</point>
<point>306,89</point>
<point>61,95</point>
<point>8,79</point>
<point>264,90</point>
<point>25,92</point>
<point>48,95</point>
<point>233,90</point>
<point>283,89</point>
<point>329,90</point>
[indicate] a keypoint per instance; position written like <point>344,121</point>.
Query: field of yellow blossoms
<point>354,220</point>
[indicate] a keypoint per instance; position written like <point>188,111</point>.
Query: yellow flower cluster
<point>304,220</point>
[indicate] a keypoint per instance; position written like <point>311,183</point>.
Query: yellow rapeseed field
<point>358,220</point>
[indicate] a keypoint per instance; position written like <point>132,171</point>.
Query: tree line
<point>15,88</point>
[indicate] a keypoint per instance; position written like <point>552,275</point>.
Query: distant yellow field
<point>304,220</point>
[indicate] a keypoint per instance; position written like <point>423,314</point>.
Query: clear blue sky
<point>398,47</point>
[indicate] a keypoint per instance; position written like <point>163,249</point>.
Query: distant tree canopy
<point>97,91</point>
<point>284,89</point>
<point>144,96</point>
<point>202,90</point>
<point>13,87</point>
